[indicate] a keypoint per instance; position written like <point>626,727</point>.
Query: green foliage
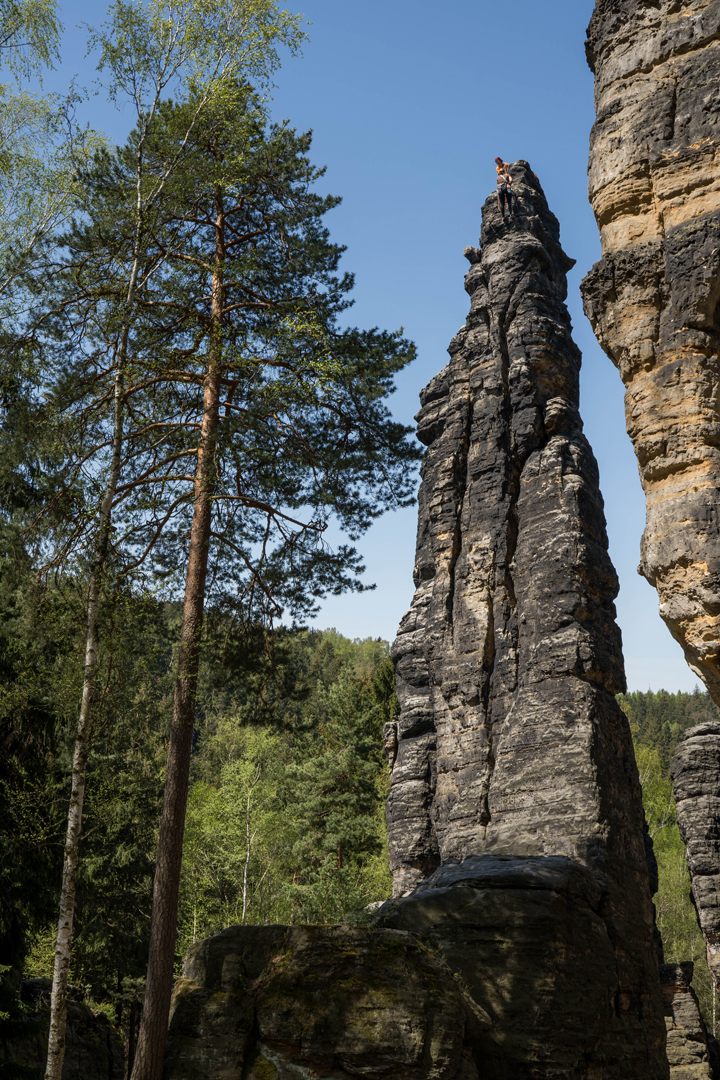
<point>191,43</point>
<point>658,722</point>
<point>29,33</point>
<point>303,432</point>
<point>234,833</point>
<point>661,719</point>
<point>41,151</point>
<point>287,755</point>
<point>288,782</point>
<point>41,637</point>
<point>286,816</point>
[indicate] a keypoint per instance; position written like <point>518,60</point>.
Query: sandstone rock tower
<point>509,741</point>
<point>695,770</point>
<point>653,297</point>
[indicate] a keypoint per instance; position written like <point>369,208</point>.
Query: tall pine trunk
<point>150,1050</point>
<point>71,860</point>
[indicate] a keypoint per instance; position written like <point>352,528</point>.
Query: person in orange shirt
<point>505,190</point>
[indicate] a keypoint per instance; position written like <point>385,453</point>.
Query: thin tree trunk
<point>248,842</point>
<point>132,1032</point>
<point>71,861</point>
<point>150,1051</point>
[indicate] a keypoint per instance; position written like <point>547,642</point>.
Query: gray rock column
<point>509,741</point>
<point>687,1038</point>
<point>695,770</point>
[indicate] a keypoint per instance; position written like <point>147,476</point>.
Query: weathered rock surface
<point>496,968</point>
<point>509,740</point>
<point>287,1002</point>
<point>687,1038</point>
<point>528,938</point>
<point>93,1048</point>
<point>653,297</point>
<point>695,769</point>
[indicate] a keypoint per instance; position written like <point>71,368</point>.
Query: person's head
<point>500,164</point>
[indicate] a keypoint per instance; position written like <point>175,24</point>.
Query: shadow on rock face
<point>497,967</point>
<point>93,1048</point>
<point>335,1001</point>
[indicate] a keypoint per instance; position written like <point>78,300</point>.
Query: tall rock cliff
<point>653,297</point>
<point>509,741</point>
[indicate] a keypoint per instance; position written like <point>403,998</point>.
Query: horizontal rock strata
<point>509,739</point>
<point>695,769</point>
<point>653,297</point>
<point>687,1038</point>
<point>530,943</point>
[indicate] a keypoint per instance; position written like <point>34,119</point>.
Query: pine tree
<point>333,796</point>
<point>243,404</point>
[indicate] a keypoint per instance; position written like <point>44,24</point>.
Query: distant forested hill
<point>658,722</point>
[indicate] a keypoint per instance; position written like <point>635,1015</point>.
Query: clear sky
<point>409,102</point>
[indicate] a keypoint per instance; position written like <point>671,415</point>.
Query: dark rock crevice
<point>461,470</point>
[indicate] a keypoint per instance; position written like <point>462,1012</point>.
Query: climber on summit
<point>505,189</point>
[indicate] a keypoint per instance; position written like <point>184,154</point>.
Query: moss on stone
<point>261,1068</point>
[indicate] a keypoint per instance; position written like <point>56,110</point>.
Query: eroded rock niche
<point>653,297</point>
<point>520,942</point>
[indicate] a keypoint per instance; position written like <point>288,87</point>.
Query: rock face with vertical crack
<point>509,740</point>
<point>653,297</point>
<point>695,769</point>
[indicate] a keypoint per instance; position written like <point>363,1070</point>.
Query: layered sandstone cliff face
<point>688,1049</point>
<point>695,769</point>
<point>653,297</point>
<point>509,741</point>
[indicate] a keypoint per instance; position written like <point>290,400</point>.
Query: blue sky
<point>409,103</point>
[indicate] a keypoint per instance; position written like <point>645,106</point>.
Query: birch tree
<point>29,34</point>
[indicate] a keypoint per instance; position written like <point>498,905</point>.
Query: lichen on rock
<point>307,1001</point>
